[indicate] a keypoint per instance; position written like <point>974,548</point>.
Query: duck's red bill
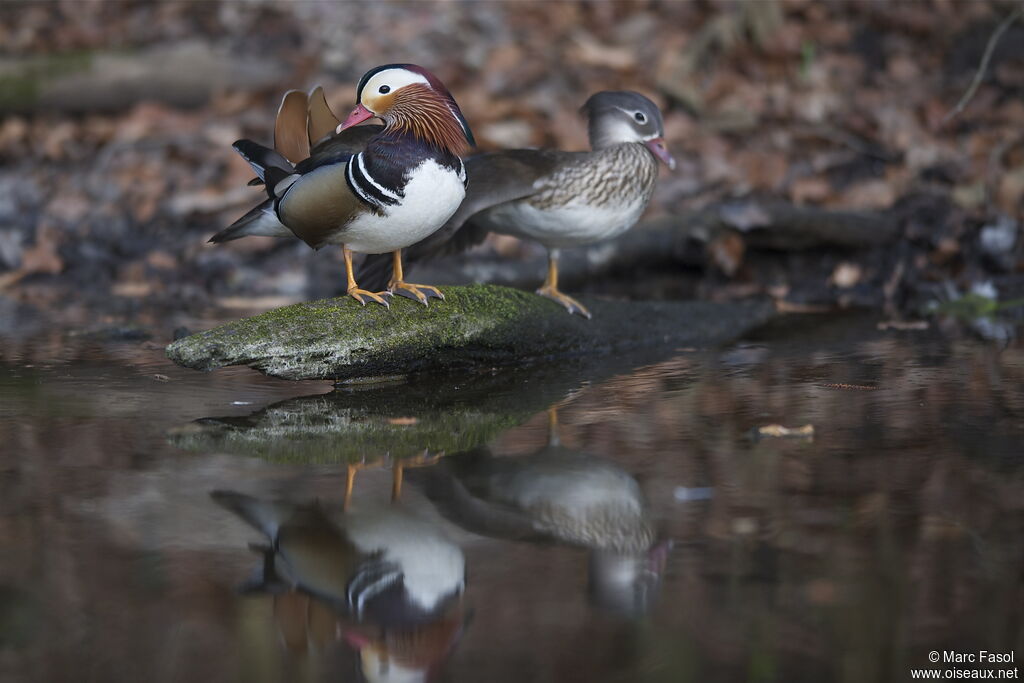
<point>358,115</point>
<point>657,146</point>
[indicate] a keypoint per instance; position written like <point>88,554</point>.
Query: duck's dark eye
<point>639,116</point>
<point>384,89</point>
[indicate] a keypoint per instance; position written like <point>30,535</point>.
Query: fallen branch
<point>979,76</point>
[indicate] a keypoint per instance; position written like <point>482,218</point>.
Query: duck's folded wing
<point>451,486</point>
<point>319,203</point>
<point>309,550</point>
<point>494,178</point>
<point>338,148</point>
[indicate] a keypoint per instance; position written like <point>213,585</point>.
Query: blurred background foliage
<point>116,120</point>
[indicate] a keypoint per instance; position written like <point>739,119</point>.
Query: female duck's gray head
<point>618,116</point>
<point>627,583</point>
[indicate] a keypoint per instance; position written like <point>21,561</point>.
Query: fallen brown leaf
<point>778,431</point>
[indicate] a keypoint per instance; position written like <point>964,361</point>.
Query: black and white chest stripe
<point>462,174</point>
<point>376,193</point>
<point>368,190</point>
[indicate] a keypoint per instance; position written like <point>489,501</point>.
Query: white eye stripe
<point>635,114</point>
<point>394,79</point>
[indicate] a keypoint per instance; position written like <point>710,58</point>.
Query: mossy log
<point>478,326</point>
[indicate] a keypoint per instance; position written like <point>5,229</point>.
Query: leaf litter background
<point>117,120</point>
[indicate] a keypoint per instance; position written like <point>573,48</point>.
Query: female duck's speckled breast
<point>598,199</point>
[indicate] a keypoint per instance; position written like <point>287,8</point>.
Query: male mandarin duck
<point>560,199</point>
<point>379,564</point>
<point>371,196</point>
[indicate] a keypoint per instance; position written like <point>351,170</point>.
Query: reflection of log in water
<point>397,421</point>
<point>401,420</point>
<point>380,579</point>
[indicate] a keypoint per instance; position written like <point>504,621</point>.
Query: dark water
<point>553,493</point>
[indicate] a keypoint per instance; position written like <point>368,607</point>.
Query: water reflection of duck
<point>384,581</point>
<point>562,495</point>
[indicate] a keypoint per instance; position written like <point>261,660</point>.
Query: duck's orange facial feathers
<point>410,99</point>
<point>419,110</point>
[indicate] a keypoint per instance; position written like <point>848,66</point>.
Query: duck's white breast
<point>577,489</point>
<point>432,195</point>
<point>568,225</point>
<point>432,566</point>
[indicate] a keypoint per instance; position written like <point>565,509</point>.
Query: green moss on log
<point>390,421</point>
<point>318,431</point>
<point>475,326</point>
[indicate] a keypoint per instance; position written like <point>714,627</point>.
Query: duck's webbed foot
<point>398,285</point>
<point>550,288</point>
<point>424,459</point>
<point>570,304</point>
<point>364,296</point>
<point>361,295</point>
<point>420,293</point>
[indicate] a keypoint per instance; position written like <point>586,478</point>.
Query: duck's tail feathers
<point>261,220</point>
<point>269,164</point>
<point>265,517</point>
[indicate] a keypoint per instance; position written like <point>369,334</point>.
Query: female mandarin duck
<point>560,199</point>
<point>563,495</point>
<point>403,186</point>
